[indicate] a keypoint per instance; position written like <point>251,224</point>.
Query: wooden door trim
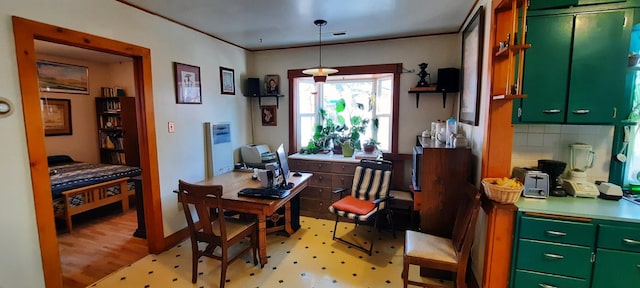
<point>25,32</point>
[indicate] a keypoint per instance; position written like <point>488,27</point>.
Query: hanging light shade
<point>320,73</point>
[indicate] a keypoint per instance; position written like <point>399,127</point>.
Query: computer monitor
<point>284,166</point>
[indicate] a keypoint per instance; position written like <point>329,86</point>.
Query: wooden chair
<point>368,198</point>
<point>442,253</point>
<point>214,228</point>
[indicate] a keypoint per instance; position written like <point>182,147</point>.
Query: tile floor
<point>309,258</point>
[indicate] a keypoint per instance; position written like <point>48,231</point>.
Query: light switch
<point>172,127</point>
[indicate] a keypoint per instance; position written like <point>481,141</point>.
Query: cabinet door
<point>546,68</point>
<point>616,269</point>
<point>545,4</point>
<point>598,67</point>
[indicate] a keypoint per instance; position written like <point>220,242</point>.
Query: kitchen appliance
<point>576,184</point>
<point>536,183</point>
<point>554,169</point>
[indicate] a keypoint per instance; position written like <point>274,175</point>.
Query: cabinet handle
<point>556,233</point>
<point>581,111</point>
<point>631,241</point>
<point>546,286</point>
<point>553,256</point>
<point>551,111</point>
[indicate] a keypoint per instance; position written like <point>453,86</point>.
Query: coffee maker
<point>554,169</point>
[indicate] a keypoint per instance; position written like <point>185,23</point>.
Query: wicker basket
<point>504,195</point>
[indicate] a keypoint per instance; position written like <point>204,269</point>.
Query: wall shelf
<point>266,96</point>
<point>431,89</point>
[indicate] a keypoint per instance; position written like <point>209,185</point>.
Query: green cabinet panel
<point>559,231</point>
<point>546,4</point>
<point>575,70</point>
<point>598,67</point>
<point>616,269</point>
<point>546,68</point>
<point>590,2</point>
<point>559,259</point>
<point>619,238</point>
<point>530,279</point>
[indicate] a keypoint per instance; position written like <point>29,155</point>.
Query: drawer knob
<point>555,233</point>
<point>553,256</point>
<point>541,285</point>
<point>631,241</point>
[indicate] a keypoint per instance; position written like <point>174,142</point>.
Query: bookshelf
<point>117,130</point>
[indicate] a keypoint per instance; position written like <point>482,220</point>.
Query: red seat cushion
<point>353,205</point>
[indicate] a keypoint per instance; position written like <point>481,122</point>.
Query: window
<point>375,87</point>
<point>371,92</point>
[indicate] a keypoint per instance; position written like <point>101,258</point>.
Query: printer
<point>257,155</point>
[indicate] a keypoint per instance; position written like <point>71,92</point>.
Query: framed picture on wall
<point>472,38</point>
<point>269,115</point>
<point>187,80</point>
<point>62,78</point>
<point>56,116</point>
<point>227,81</point>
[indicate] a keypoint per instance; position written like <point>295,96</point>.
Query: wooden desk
<point>234,181</point>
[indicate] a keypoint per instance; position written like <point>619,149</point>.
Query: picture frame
<point>187,79</point>
<point>56,116</point>
<point>472,39</point>
<point>227,81</point>
<point>62,78</point>
<point>272,84</point>
<point>269,115</point>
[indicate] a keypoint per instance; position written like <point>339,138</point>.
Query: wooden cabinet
<point>558,251</point>
<point>575,70</point>
<point>117,130</point>
<point>444,171</point>
<point>327,176</point>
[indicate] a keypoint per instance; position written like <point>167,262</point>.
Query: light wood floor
<point>99,246</point>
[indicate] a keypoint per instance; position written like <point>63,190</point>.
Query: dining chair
<point>368,198</point>
<point>439,253</point>
<point>213,228</point>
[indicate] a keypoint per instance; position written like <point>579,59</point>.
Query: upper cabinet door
<point>598,69</point>
<point>546,4</point>
<point>546,68</point>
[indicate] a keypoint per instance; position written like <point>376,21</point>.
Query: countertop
<point>621,210</point>
<point>332,157</point>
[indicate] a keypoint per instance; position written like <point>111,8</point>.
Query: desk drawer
<point>560,231</point>
<point>321,179</point>
<point>619,238</point>
<point>343,168</point>
<point>342,181</point>
<point>553,258</point>
<point>530,279</point>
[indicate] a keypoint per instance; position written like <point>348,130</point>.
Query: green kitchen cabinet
<point>575,70</point>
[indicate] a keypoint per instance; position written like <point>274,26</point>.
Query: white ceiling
<point>260,24</point>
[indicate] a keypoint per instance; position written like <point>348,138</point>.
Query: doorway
<point>25,33</point>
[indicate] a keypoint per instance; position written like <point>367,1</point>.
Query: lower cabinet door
<point>530,279</point>
<point>618,269</point>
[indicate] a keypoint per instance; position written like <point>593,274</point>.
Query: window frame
<point>395,69</point>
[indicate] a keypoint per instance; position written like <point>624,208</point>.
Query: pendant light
<point>320,73</point>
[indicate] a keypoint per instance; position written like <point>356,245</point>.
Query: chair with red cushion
<point>368,198</point>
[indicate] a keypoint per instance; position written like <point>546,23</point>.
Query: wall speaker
<point>448,80</point>
<point>253,87</point>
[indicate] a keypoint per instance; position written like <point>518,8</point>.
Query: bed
<point>77,187</point>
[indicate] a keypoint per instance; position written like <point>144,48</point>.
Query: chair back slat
<point>206,200</point>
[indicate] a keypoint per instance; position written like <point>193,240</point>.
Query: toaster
<point>536,183</point>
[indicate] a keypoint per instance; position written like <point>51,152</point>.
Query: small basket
<point>504,195</point>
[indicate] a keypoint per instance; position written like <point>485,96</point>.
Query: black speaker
<point>448,80</point>
<point>253,87</point>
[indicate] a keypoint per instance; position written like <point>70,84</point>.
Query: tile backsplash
<point>533,142</point>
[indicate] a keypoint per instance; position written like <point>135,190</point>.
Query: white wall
<point>438,51</point>
<point>180,154</point>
